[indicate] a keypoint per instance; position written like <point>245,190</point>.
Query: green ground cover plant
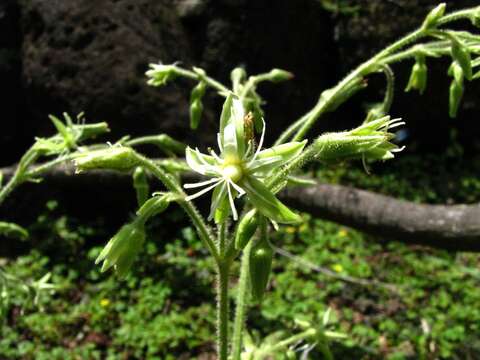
<point>151,315</point>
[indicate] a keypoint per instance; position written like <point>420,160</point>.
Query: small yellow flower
<point>104,302</point>
<point>342,233</point>
<point>337,267</point>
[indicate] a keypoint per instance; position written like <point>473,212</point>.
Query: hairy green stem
<point>27,159</point>
<point>390,89</point>
<point>241,303</point>
<point>222,309</point>
<point>208,80</point>
<point>172,185</point>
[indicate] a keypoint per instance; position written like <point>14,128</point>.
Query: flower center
<point>233,172</point>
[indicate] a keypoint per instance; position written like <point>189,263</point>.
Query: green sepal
<point>266,202</point>
<point>247,226</point>
<point>260,265</point>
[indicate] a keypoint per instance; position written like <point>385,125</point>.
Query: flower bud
<point>121,250</point>
<point>140,183</point>
<point>153,206</point>
<point>196,110</point>
<point>114,158</point>
<point>418,76</point>
<point>456,94</point>
<point>433,16</point>
<point>369,141</point>
<point>237,76</point>
<point>278,75</point>
<point>246,229</point>
<point>475,18</point>
<point>160,74</point>
<point>260,262</point>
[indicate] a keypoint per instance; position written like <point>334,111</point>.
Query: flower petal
<point>266,202</point>
<point>201,163</point>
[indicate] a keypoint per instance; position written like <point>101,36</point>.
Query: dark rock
<point>91,56</point>
<point>11,102</point>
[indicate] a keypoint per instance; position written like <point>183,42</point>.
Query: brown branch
<point>452,227</point>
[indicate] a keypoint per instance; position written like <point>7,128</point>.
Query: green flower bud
<point>260,262</point>
<point>196,110</point>
<point>237,76</point>
<point>114,158</point>
<point>153,206</point>
<point>462,56</point>
<point>140,183</point>
<point>278,75</point>
<point>433,16</point>
<point>475,18</point>
<point>160,74</point>
<point>121,250</point>
<point>369,141</point>
<point>246,229</point>
<point>456,94</point>
<point>418,76</point>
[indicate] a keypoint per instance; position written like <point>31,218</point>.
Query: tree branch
<point>452,227</point>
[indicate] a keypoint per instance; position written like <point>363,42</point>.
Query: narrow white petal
<point>202,183</point>
<point>232,203</point>
<point>201,192</point>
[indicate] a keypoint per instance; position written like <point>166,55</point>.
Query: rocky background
<point>91,55</point>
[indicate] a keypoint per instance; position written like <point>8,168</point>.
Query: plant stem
<point>208,80</point>
<point>172,185</point>
<point>222,309</point>
<point>27,159</point>
<point>241,303</point>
